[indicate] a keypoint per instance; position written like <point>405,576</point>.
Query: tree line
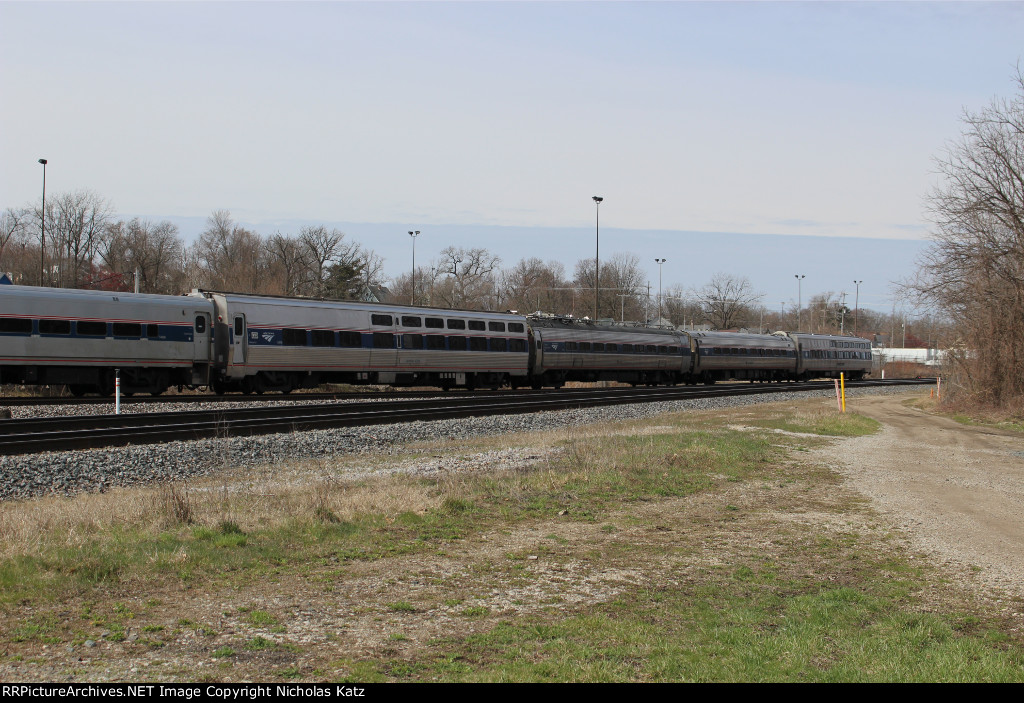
<point>974,270</point>
<point>87,246</point>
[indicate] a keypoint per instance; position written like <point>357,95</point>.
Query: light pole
<point>856,308</point>
<point>42,229</point>
<point>597,256</point>
<point>412,298</point>
<point>659,262</point>
<point>799,297</point>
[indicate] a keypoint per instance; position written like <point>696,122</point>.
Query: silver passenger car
<point>267,343</point>
<point>720,356</point>
<point>79,338</point>
<point>569,349</point>
<point>827,356</point>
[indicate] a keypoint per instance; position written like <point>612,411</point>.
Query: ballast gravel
<point>67,473</point>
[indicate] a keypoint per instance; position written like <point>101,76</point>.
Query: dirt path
<point>957,491</point>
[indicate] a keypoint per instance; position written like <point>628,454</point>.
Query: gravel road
<point>956,491</point>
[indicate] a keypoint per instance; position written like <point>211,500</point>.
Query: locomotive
<point>253,344</point>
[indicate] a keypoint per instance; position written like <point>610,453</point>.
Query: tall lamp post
<point>597,257</point>
<point>659,262</point>
<point>412,298</point>
<point>856,308</point>
<point>42,230</point>
<point>799,297</point>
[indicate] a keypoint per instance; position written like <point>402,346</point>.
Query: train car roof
<point>81,295</point>
<point>392,308</point>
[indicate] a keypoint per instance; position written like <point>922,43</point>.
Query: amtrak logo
<point>268,336</point>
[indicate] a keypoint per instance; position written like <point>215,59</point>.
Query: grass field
<point>689,547</point>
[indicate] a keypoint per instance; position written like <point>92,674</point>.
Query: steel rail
<point>88,432</point>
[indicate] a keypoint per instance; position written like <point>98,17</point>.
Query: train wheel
<point>78,389</point>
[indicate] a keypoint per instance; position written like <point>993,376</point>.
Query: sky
<point>760,139</point>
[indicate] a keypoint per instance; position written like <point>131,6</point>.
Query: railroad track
<point>233,398</point>
<point>96,431</point>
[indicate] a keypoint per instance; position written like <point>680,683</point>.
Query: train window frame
<point>126,329</point>
<point>291,336</point>
<point>495,326</point>
<point>152,331</point>
<point>381,320</point>
<point>435,342</point>
<point>477,326</point>
<point>584,346</point>
<point>436,323</point>
<point>477,344</point>
<point>457,343</point>
<point>599,346</point>
<point>15,325</point>
<point>411,321</point>
<point>350,339</point>
<point>499,344</point>
<point>383,340</point>
<point>322,338</point>
<point>200,324</point>
<point>91,325</point>
<point>517,345</point>
<point>53,327</point>
<point>412,341</point>
<point>516,327</point>
<point>454,324</point>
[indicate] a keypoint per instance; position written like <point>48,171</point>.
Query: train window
<point>651,348</point>
<point>673,350</point>
<point>478,343</point>
<point>499,344</point>
<point>323,338</point>
<point>584,346</point>
<point>456,343</point>
<point>517,345</point>
<point>408,321</point>
<point>239,326</point>
<point>200,324</point>
<point>127,329</point>
<point>152,331</point>
<point>571,346</point>
<point>91,328</point>
<point>434,322</point>
<point>435,341</point>
<point>627,348</point>
<point>53,326</point>
<point>412,341</point>
<point>496,326</point>
<point>477,325</point>
<point>456,324</point>
<point>15,325</point>
<point>380,319</point>
<point>598,347</point>
<point>662,349</point>
<point>515,327</point>
<point>293,337</point>
<point>350,339</point>
<point>383,340</point>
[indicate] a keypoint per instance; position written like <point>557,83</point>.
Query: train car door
<point>202,347</point>
<point>239,340</point>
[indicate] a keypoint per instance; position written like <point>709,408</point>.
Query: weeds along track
<point>98,431</point>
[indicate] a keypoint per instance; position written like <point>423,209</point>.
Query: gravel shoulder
<point>956,491</point>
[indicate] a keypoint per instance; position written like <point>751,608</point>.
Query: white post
<point>117,391</point>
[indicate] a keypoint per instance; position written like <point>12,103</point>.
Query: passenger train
<point>253,344</point>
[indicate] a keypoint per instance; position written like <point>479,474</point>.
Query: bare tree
<point>470,281</point>
<point>231,257</point>
<point>289,265</point>
<point>975,269</point>
<point>75,223</point>
<point>154,250</point>
<point>14,224</point>
<point>726,300</point>
<point>533,285</point>
<point>621,275</point>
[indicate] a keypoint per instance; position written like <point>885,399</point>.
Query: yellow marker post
<point>842,386</point>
